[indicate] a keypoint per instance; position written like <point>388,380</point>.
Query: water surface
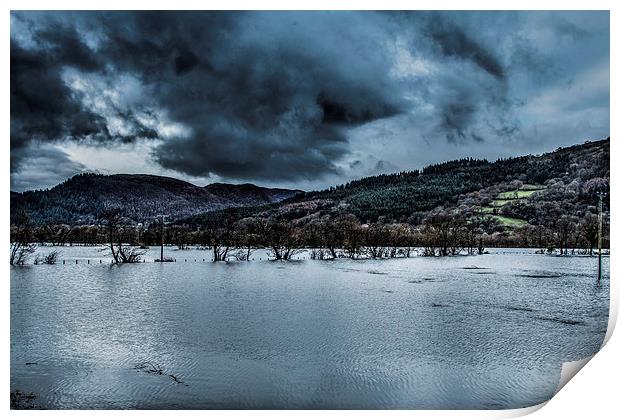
<point>489,331</point>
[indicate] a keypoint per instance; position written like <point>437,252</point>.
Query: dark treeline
<point>231,235</point>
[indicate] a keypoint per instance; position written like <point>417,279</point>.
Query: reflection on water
<point>488,331</point>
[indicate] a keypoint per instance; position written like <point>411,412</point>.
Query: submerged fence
<point>154,260</point>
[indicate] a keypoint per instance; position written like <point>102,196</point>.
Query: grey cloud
<point>263,98</point>
<point>453,41</point>
<point>42,106</point>
<point>261,106</point>
<point>52,167</point>
<point>275,96</point>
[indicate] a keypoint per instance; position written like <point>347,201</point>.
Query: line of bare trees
<point>441,233</point>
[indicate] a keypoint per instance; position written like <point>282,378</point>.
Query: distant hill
<point>140,197</point>
<point>533,189</point>
<point>508,194</point>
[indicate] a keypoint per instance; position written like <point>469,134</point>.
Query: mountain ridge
<point>467,185</point>
<point>140,197</point>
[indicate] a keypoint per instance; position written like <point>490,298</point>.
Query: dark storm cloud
<point>469,84</point>
<point>474,97</point>
<point>453,41</point>
<point>42,106</point>
<point>271,96</point>
<point>263,95</point>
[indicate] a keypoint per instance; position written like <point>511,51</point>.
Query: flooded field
<point>489,331</point>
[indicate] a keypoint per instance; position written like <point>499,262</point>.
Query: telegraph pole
<point>161,249</point>
<point>600,239</point>
<point>139,234</point>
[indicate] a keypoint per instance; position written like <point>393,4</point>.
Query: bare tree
<point>402,237</point>
<point>220,235</point>
<point>331,236</point>
<point>443,234</point>
<point>473,235</point>
<point>56,234</point>
<point>21,239</point>
<point>282,239</point>
<point>120,252</point>
<point>248,237</point>
<point>588,228</point>
<point>180,236</point>
<point>376,237</point>
<point>50,258</point>
<point>564,228</point>
<point>351,234</point>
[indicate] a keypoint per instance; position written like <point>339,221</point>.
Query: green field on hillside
<point>499,203</point>
<point>529,187</point>
<point>511,195</point>
<point>506,197</point>
<point>509,221</point>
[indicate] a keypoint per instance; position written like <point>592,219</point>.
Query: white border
<point>592,394</point>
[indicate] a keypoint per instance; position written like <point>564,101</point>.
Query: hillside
<point>140,198</point>
<point>507,193</point>
<point>401,195</point>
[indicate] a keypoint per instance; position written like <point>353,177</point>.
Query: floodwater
<point>478,332</point>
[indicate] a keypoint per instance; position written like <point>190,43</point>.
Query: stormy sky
<point>297,99</point>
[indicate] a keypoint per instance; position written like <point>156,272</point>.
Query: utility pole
<point>139,227</point>
<point>161,250</point>
<point>600,239</point>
